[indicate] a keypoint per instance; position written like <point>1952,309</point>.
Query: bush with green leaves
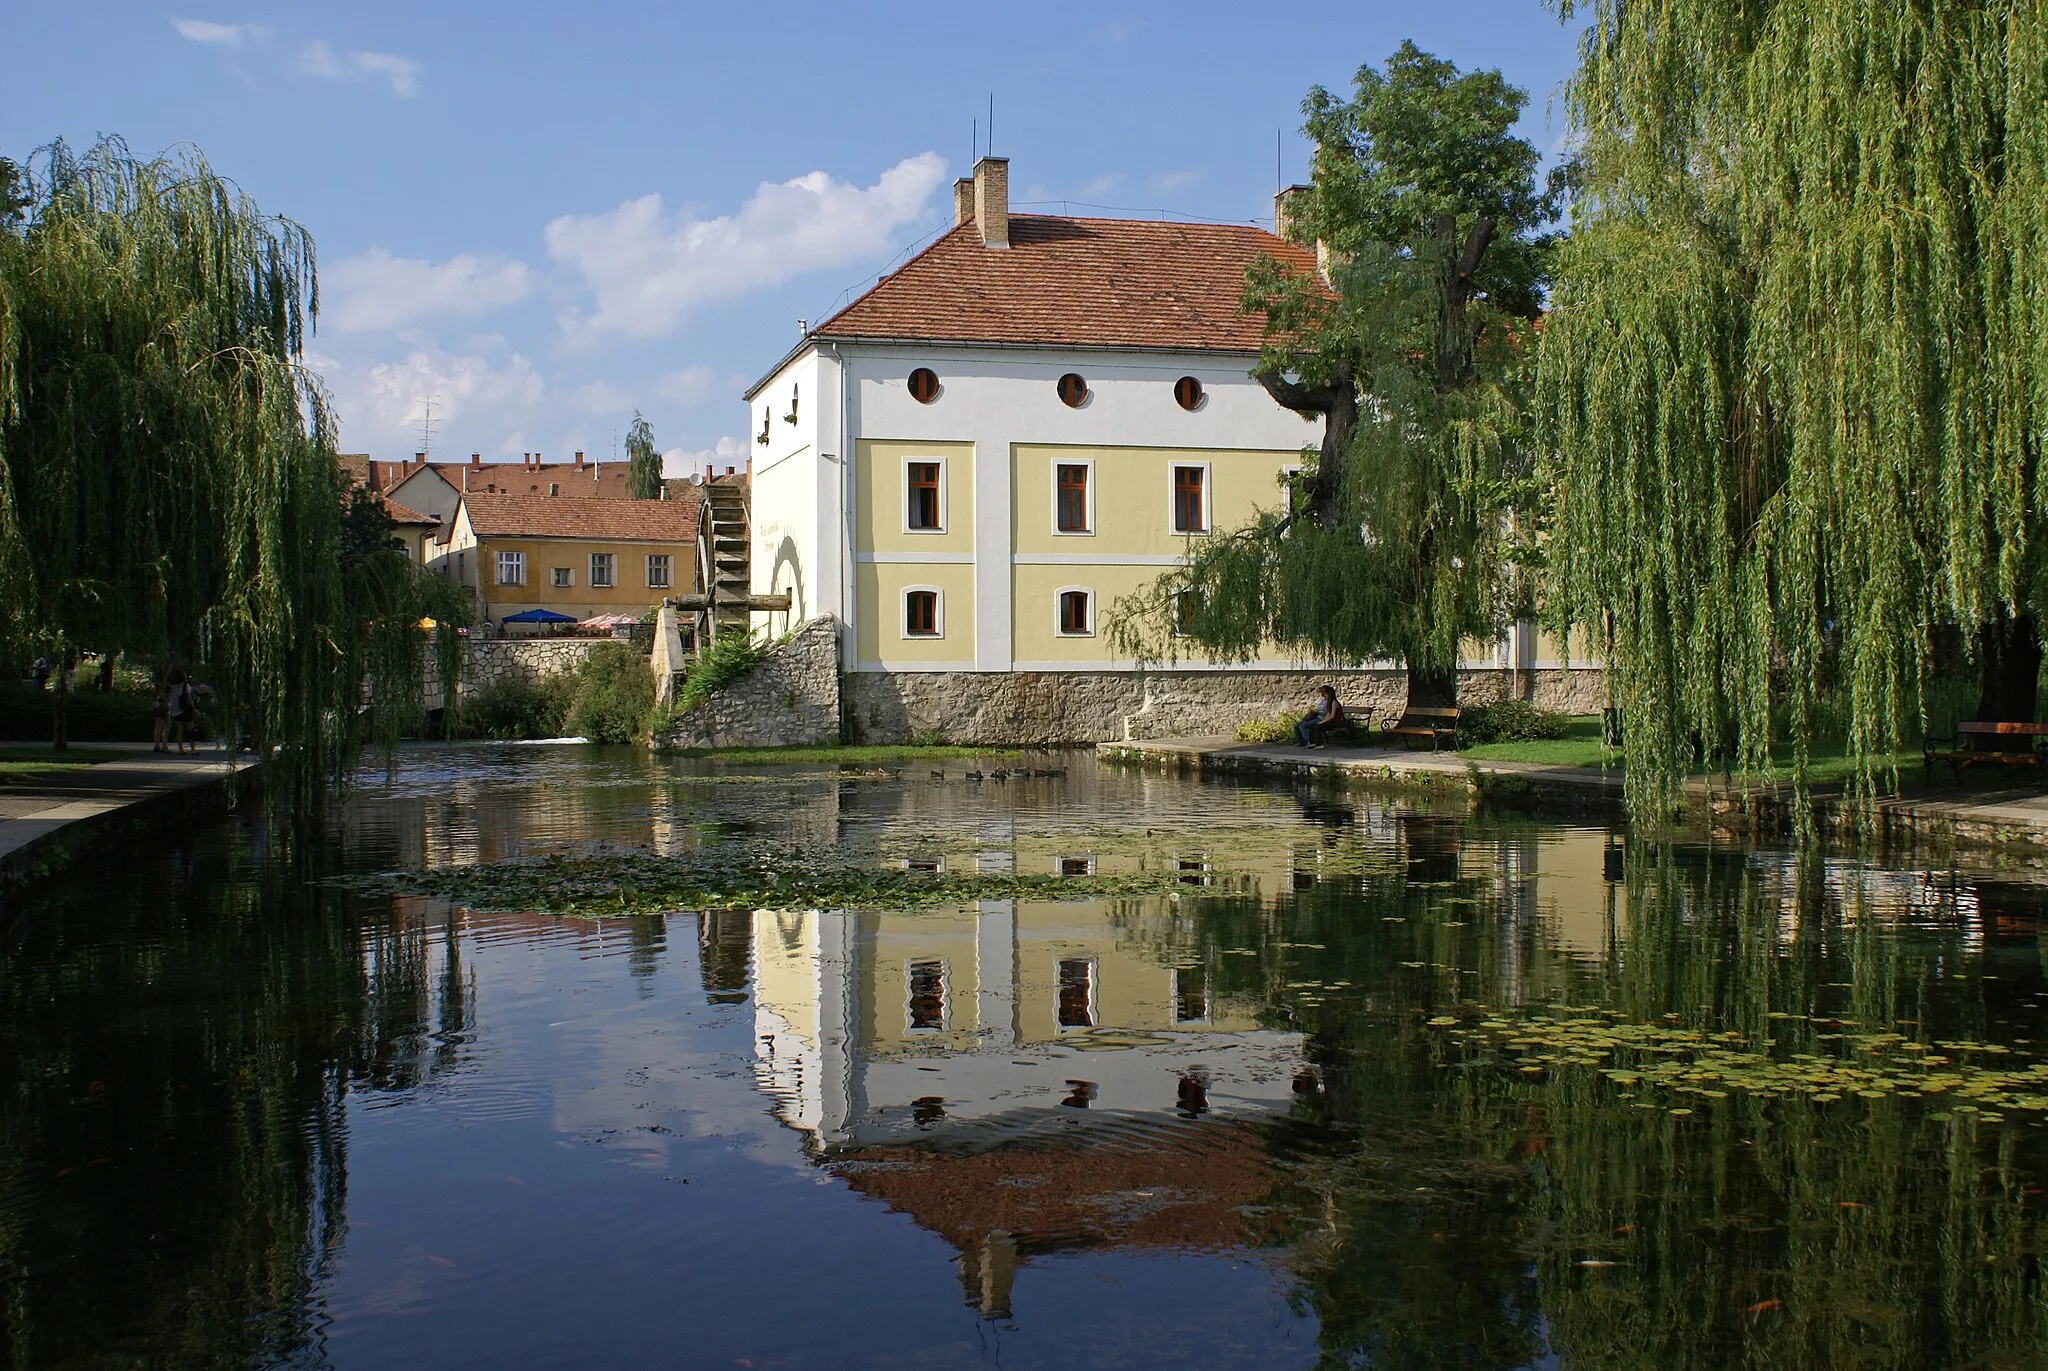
<point>1509,721</point>
<point>515,708</point>
<point>614,695</point>
<point>1278,729</point>
<point>728,659</point>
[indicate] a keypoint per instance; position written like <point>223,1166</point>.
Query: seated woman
<point>1326,716</point>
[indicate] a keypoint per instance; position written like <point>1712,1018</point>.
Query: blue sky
<point>545,216</point>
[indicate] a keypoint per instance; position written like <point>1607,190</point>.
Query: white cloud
<point>319,59</point>
<point>600,397</point>
<point>726,452</point>
<point>477,404</point>
<point>378,291</point>
<point>1173,180</point>
<point>698,385</point>
<point>649,268</point>
<point>218,35</point>
<point>1109,183</point>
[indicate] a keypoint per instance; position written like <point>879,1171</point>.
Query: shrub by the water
<point>614,695</point>
<point>89,716</point>
<point>515,708</point>
<point>1510,721</point>
<point>1278,729</point>
<point>728,659</point>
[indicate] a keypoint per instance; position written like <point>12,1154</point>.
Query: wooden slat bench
<point>1977,741</point>
<point>1437,725</point>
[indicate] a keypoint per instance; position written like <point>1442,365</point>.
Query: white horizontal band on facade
<point>913,666</point>
<point>914,558</point>
<point>1095,559</point>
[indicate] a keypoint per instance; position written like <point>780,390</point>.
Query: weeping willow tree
<point>1396,540</point>
<point>1794,370</point>
<point>168,482</point>
<point>643,460</point>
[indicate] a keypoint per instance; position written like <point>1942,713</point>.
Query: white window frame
<point>903,497</point>
<point>1061,593</point>
<point>1208,499</point>
<point>514,560</point>
<point>903,615</point>
<point>1057,463</point>
<point>1173,611</point>
<point>1087,861</point>
<point>611,581</point>
<point>668,577</point>
<point>945,995</point>
<point>1094,995</point>
<point>1208,1014</point>
<point>562,577</point>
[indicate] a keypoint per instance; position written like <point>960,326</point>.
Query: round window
<point>1073,390</point>
<point>1187,393</point>
<point>924,385</point>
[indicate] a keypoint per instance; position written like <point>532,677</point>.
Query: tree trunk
<point>1338,404</point>
<point>1432,688</point>
<point>60,733</point>
<point>2009,659</point>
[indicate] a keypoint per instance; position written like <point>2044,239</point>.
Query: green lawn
<point>21,763</point>
<point>845,756</point>
<point>1827,762</point>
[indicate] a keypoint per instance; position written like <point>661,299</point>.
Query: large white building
<point>1032,417</point>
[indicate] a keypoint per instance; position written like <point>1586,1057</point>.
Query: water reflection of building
<point>1017,1079</point>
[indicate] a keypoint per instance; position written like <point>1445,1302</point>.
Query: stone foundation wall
<point>488,661</point>
<point>791,699</point>
<point>1044,708</point>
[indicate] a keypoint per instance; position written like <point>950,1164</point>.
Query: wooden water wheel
<point>725,602</point>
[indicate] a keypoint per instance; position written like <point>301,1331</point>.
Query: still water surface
<point>252,1116</point>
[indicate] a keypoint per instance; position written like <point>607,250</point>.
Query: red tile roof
<point>501,515</point>
<point>605,480</point>
<point>406,514</point>
<point>1079,282</point>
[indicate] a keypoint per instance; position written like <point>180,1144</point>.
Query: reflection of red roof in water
<point>1167,1187</point>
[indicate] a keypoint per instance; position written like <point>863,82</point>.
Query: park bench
<point>1975,741</point>
<point>1437,725</point>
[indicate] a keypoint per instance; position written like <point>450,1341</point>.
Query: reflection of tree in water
<point>1449,1209</point>
<point>172,1182</point>
<point>725,952</point>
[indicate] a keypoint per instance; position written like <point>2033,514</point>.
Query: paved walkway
<point>34,810</point>
<point>1995,815</point>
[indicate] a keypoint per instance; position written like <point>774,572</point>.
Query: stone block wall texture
<point>489,661</point>
<point>1045,708</point>
<point>791,699</point>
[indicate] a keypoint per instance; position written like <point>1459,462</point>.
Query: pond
<point>1354,1081</point>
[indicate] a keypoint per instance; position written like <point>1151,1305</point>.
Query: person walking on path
<point>1326,716</point>
<point>161,715</point>
<point>184,711</point>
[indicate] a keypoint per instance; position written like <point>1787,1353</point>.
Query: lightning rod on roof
<point>991,123</point>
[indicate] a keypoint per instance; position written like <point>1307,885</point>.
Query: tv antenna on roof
<point>427,424</point>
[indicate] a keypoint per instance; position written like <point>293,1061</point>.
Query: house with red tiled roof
<point>970,463</point>
<point>516,551</point>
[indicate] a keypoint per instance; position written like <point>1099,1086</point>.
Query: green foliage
<point>1510,721</point>
<point>614,695</point>
<point>643,460</point>
<point>730,656</point>
<point>1401,538</point>
<point>928,737</point>
<point>90,717</point>
<point>168,482</point>
<point>1278,729</point>
<point>514,708</point>
<point>1795,371</point>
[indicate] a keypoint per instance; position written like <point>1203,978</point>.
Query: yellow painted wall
<point>879,495</point>
<point>1034,621</point>
<point>631,594</point>
<point>1134,495</point>
<point>878,588</point>
<point>885,998</point>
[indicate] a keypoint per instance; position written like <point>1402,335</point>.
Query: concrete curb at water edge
<point>116,801</point>
<point>2014,819</point>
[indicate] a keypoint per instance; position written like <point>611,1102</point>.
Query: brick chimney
<point>992,201</point>
<point>1286,208</point>
<point>963,201</point>
<point>420,457</point>
<point>579,461</point>
<point>476,459</point>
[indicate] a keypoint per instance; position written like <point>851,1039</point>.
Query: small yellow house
<point>572,555</point>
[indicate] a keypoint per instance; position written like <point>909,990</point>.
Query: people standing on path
<point>161,715</point>
<point>1326,716</point>
<point>184,712</point>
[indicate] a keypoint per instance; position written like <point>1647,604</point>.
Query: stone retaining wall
<point>1039,707</point>
<point>488,661</point>
<point>791,699</point>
